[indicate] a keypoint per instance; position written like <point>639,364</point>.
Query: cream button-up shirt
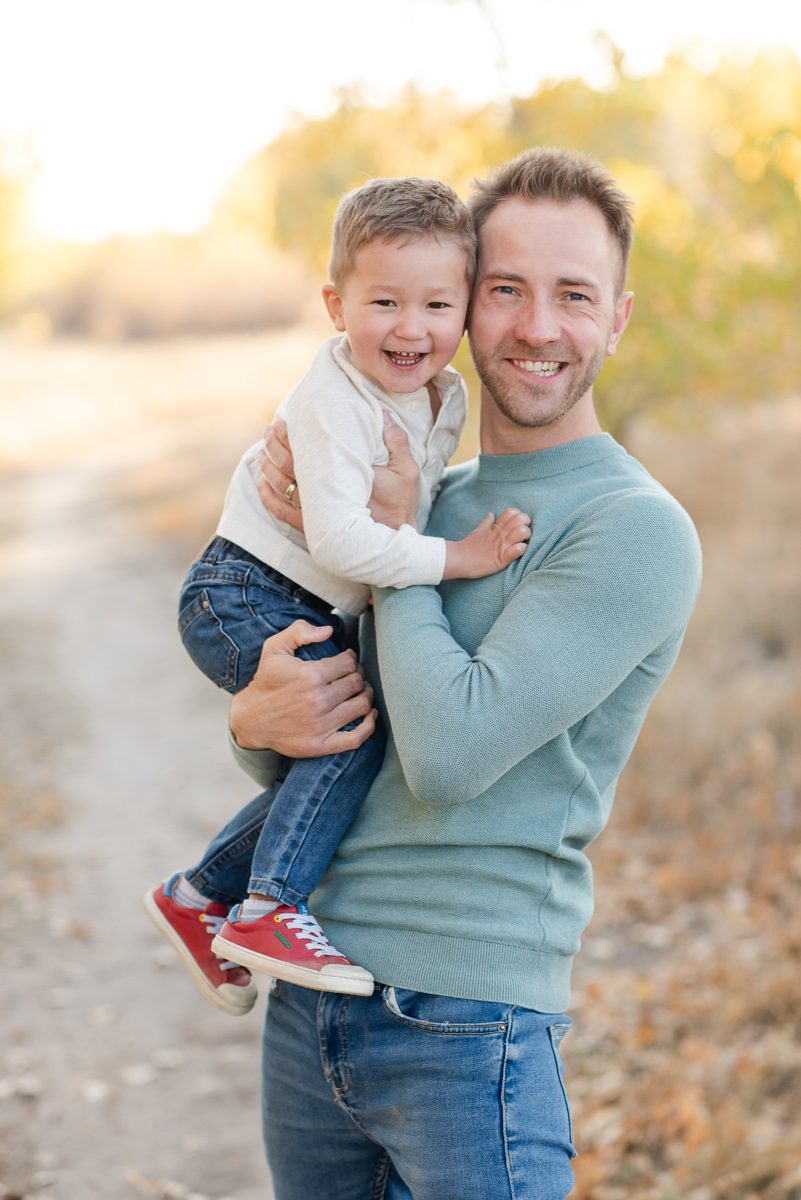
<point>335,418</point>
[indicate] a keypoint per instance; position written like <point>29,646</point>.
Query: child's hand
<point>490,547</point>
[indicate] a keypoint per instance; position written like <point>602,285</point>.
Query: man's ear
<point>333,302</point>
<point>622,315</point>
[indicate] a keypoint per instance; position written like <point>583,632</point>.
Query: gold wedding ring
<point>290,491</point>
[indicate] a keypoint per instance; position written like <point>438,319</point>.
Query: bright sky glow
<point>137,112</point>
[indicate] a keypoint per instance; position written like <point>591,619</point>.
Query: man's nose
<point>537,322</point>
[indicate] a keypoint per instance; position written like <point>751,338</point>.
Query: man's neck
<point>499,435</point>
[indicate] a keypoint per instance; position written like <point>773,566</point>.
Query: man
<point>513,702</point>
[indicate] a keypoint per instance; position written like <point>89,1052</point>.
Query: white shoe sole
<point>236,1001</point>
<point>346,985</point>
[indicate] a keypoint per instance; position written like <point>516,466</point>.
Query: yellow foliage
<point>787,154</point>
<point>750,164</point>
<point>726,140</point>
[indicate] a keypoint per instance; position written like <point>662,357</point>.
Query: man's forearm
<point>567,636</point>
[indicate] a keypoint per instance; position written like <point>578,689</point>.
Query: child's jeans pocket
<point>205,640</point>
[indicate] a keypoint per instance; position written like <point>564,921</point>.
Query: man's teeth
<point>537,368</point>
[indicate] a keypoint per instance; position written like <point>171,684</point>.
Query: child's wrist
<point>457,560</point>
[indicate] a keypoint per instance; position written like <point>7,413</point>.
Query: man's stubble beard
<point>524,409</point>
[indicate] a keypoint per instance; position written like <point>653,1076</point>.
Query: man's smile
<point>543,369</point>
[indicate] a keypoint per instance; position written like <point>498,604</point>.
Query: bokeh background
<point>168,174</point>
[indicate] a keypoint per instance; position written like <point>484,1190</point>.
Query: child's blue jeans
<point>280,843</point>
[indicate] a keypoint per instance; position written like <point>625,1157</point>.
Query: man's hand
<point>278,489</point>
<point>394,498</point>
<point>297,706</point>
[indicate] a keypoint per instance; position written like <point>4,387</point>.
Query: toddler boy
<point>402,264</point>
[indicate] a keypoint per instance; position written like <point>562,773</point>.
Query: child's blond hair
<point>398,210</point>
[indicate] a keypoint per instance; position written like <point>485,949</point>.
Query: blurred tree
<point>713,161</point>
<point>291,190</point>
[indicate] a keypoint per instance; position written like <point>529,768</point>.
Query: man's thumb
<point>397,443</point>
<point>299,633</point>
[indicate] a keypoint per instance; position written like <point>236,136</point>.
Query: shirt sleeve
<point>334,434</point>
<point>612,593</point>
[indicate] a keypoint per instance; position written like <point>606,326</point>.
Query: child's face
<point>403,307</point>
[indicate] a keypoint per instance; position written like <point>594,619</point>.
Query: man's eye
<point>576,296</point>
<point>505,289</point>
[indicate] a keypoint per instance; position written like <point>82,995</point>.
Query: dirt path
<point>116,1080</point>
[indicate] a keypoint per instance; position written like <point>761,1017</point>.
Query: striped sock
<point>188,896</point>
<point>251,910</point>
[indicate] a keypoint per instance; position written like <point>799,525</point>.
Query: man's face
<point>545,311</point>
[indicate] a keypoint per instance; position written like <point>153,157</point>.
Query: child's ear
<point>333,302</point>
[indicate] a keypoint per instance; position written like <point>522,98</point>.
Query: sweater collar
<point>556,460</point>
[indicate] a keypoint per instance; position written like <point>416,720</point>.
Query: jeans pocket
<point>443,1015</point>
<point>556,1033</point>
<point>207,643</point>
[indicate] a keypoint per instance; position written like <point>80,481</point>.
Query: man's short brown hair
<point>398,210</point>
<point>547,173</point>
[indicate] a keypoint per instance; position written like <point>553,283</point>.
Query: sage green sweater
<point>514,702</point>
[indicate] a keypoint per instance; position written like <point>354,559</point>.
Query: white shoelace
<point>215,924</point>
<point>310,932</point>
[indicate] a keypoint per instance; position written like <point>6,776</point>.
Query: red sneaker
<point>226,985</point>
<point>289,944</point>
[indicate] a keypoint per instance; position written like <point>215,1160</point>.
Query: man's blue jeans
<point>408,1096</point>
<point>282,841</point>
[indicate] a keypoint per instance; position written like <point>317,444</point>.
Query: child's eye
<point>438,304</point>
<point>385,303</point>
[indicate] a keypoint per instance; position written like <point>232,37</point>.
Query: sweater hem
<point>447,965</point>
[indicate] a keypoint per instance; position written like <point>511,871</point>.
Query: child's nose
<point>410,326</point>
